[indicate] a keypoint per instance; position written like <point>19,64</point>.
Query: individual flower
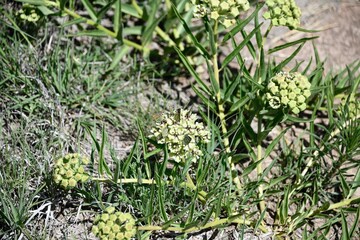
<point>288,90</point>
<point>283,13</point>
<point>225,11</point>
<point>182,134</point>
<point>29,13</point>
<point>70,170</point>
<point>115,225</point>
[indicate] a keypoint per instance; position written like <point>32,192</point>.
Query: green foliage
<point>247,158</point>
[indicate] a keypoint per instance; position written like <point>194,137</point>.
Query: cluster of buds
<point>113,225</point>
<point>225,11</point>
<point>352,104</point>
<point>182,134</point>
<point>28,13</point>
<point>283,13</point>
<point>70,170</point>
<point>288,90</point>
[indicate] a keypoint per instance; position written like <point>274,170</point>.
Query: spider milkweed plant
<point>236,164</point>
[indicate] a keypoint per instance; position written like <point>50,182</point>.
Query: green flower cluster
<point>28,13</point>
<point>283,13</point>
<point>70,170</point>
<point>353,105</point>
<point>288,90</point>
<point>182,134</point>
<point>113,225</point>
<point>225,11</point>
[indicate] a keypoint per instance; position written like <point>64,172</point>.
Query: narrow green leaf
<point>90,10</point>
<point>129,10</point>
<point>287,60</point>
<point>344,230</point>
<point>176,217</point>
<point>145,150</point>
<point>89,33</point>
<point>284,206</point>
<point>231,88</point>
<point>260,220</point>
<point>45,10</point>
<point>103,166</point>
<point>286,45</point>
<point>259,38</point>
<point>117,21</point>
<point>211,36</point>
<point>161,199</point>
<point>192,71</point>
<point>152,153</point>
<point>344,185</point>
<point>249,45</point>
<point>274,142</point>
<point>236,51</point>
<point>72,22</point>
<point>136,30</point>
<point>275,181</point>
<point>237,105</point>
<point>355,226</point>
<point>214,83</point>
<point>297,119</point>
<point>201,49</point>
<point>355,185</point>
<point>205,99</point>
<point>125,166</point>
<point>33,2</point>
<point>147,35</point>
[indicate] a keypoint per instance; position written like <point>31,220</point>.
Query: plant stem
<point>259,169</point>
<point>213,224</point>
<point>221,114</point>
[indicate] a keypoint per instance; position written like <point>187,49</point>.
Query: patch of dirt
<point>339,36</point>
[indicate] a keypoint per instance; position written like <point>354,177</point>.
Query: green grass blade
<point>118,56</point>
